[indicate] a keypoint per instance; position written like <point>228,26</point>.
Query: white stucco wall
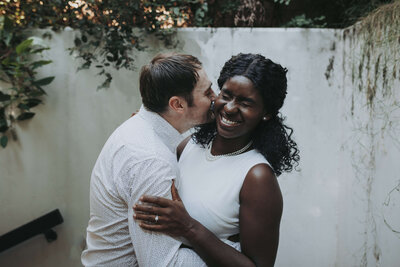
<point>333,206</point>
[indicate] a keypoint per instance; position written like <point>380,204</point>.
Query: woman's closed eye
<point>245,104</point>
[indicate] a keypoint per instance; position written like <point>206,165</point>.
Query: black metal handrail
<point>41,225</point>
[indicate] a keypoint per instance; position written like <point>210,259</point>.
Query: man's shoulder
<point>134,133</point>
<point>135,143</point>
<point>139,140</point>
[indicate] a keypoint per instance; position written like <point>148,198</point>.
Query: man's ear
<point>177,104</point>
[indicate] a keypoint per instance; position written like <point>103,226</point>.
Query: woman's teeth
<point>226,121</point>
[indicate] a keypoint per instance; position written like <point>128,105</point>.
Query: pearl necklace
<point>211,157</point>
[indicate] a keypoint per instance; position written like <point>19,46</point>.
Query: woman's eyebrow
<point>246,99</point>
<point>240,98</point>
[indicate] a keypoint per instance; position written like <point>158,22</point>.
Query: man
<point>139,158</point>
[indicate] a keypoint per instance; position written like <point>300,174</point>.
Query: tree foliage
<point>107,39</point>
<point>110,31</point>
<point>18,66</point>
<point>107,27</point>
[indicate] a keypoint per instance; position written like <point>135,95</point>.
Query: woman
<point>228,170</point>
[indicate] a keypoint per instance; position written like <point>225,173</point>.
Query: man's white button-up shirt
<point>138,158</point>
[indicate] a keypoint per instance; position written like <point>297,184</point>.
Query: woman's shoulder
<point>261,180</point>
<point>182,146</point>
<point>254,157</point>
<point>261,171</point>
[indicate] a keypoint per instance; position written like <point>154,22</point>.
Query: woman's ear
<point>266,117</point>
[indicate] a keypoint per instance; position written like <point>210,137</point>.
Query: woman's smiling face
<point>239,108</point>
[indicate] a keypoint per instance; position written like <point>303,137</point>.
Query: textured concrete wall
<point>368,226</point>
<point>333,206</point>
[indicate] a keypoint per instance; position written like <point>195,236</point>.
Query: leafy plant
<point>18,73</point>
<point>107,28</point>
<point>355,9</point>
<point>286,2</point>
<point>109,33</point>
<point>302,21</point>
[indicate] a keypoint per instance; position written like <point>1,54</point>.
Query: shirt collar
<point>167,133</point>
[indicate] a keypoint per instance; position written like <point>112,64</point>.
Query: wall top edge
<point>258,29</point>
<point>240,29</point>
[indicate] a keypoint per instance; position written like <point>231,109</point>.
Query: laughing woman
<point>228,181</point>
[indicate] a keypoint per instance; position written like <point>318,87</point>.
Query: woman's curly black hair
<point>271,138</point>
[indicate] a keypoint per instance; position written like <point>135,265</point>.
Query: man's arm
<point>260,215</point>
<point>175,221</point>
<point>154,176</point>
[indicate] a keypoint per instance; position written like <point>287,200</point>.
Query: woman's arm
<point>174,220</point>
<point>261,208</point>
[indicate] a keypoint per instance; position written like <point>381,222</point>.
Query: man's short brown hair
<point>168,75</point>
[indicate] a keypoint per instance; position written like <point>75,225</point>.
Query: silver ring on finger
<point>156,219</point>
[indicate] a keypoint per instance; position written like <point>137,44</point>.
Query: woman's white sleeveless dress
<point>210,189</point>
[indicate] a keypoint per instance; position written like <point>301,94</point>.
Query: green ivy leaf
<point>24,46</point>
<point>7,28</point>
<point>176,11</point>
<point>44,81</point>
<point>2,22</point>
<point>40,63</point>
<point>36,93</point>
<point>110,58</point>
<point>33,102</point>
<point>77,42</point>
<point>119,61</point>
<point>4,97</point>
<point>23,106</point>
<point>7,37</point>
<point>106,83</point>
<point>5,61</point>
<point>3,128</point>
<point>85,66</point>
<point>4,141</point>
<point>3,123</point>
<point>39,50</point>
<point>25,116</point>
